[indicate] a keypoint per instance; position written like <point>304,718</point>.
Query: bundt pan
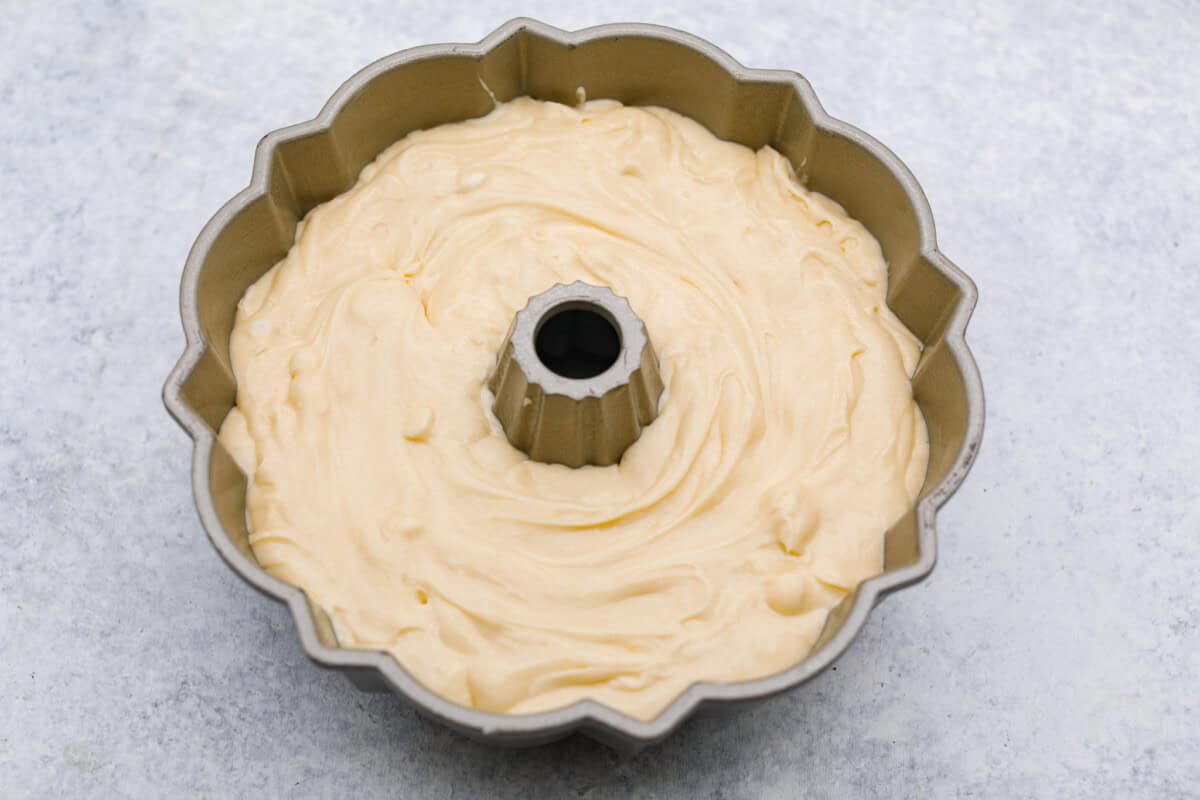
<point>301,166</point>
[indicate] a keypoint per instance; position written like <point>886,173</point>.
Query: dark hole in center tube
<point>577,343</point>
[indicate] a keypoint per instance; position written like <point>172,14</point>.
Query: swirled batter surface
<point>787,443</point>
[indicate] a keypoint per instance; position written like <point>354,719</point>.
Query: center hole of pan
<point>577,340</point>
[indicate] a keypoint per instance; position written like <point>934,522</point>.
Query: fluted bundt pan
<point>299,167</point>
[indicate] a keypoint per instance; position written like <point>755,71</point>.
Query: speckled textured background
<point>1055,652</point>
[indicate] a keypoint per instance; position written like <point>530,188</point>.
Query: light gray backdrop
<point>1053,653</point>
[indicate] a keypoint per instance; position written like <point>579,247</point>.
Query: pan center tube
<point>577,341</point>
<point>576,379</point>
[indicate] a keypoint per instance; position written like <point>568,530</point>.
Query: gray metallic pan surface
<point>591,420</point>
<point>301,166</point>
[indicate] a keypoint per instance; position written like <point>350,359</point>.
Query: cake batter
<point>787,441</point>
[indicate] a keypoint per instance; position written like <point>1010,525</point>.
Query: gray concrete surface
<point>1055,652</point>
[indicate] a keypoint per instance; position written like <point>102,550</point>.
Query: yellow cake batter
<point>786,444</point>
